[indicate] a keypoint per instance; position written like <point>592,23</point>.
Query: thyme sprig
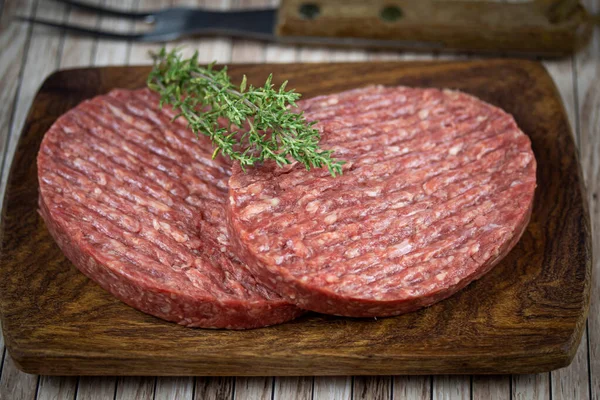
<point>260,124</point>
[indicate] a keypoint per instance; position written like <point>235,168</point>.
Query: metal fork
<point>174,23</point>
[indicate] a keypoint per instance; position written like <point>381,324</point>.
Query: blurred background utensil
<point>530,28</point>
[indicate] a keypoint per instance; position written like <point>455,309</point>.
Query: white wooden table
<point>28,54</point>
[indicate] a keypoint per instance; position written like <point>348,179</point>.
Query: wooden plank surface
<point>293,388</point>
<point>514,342</point>
<point>332,388</point>
<point>214,388</point>
<point>587,92</point>
<point>584,95</point>
<point>135,388</point>
<point>534,387</point>
<point>14,41</point>
<point>571,382</point>
<point>22,79</point>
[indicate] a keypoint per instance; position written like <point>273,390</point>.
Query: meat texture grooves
<point>135,201</point>
<point>437,187</point>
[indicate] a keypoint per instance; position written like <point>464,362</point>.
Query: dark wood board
<point>527,315</point>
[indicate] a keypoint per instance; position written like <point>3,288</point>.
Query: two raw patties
<point>437,187</point>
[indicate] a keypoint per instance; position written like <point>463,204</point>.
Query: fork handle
<point>530,28</point>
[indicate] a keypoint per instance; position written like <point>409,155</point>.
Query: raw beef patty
<point>137,204</point>
<point>437,188</point>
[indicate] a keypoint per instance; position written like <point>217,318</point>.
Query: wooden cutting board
<point>527,315</point>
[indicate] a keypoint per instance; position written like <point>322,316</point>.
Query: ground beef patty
<point>437,188</point>
<point>137,204</point>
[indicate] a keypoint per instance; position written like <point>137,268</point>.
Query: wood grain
<point>431,25</point>
<point>531,387</point>
<point>42,55</point>
<point>450,387</point>
<point>56,387</point>
<point>332,388</point>
<point>243,51</point>
<point>255,388</point>
<point>524,333</point>
<point>2,352</point>
<point>14,384</point>
<point>588,99</point>
<point>109,52</point>
<point>135,388</point>
<point>174,388</point>
<point>566,383</point>
<point>372,388</point>
<point>412,387</point>
<point>93,388</point>
<point>214,388</point>
<point>14,38</point>
<point>570,382</point>
<point>138,51</point>
<point>209,49</point>
<point>495,387</point>
<point>80,50</point>
<point>293,388</point>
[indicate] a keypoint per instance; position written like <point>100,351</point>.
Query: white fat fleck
<point>179,238</point>
<point>398,205</point>
<point>455,149</point>
<point>254,188</point>
<point>304,279</point>
<point>97,191</point>
<point>373,193</point>
<point>101,178</point>
<point>166,308</point>
<point>515,183</point>
<point>423,114</point>
<point>279,260</point>
<point>474,249</point>
<point>331,278</point>
<point>393,149</point>
<point>222,239</point>
<point>258,208</point>
<point>453,94</point>
<point>482,118</point>
<point>312,206</point>
<point>263,248</point>
<point>155,224</point>
<point>441,276</point>
<point>351,253</point>
<point>330,219</point>
<point>400,249</point>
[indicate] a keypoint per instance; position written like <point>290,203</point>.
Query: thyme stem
<point>205,96</point>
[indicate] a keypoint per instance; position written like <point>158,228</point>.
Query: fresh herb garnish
<point>205,96</point>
